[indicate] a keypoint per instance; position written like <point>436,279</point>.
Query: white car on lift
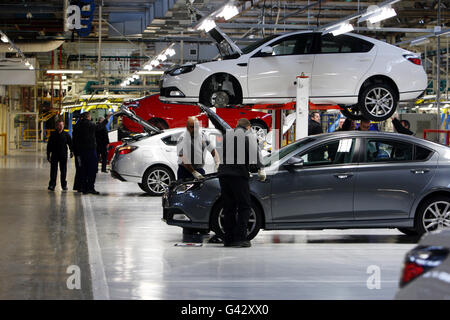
<point>366,76</point>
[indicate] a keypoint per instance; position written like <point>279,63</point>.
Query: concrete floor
<point>125,251</point>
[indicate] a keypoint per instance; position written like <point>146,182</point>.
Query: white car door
<point>339,66</point>
<point>273,76</point>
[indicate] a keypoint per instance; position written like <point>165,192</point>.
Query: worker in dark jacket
<point>314,126</point>
<point>234,181</point>
<point>86,147</point>
<point>57,154</point>
<point>401,126</point>
<point>102,139</point>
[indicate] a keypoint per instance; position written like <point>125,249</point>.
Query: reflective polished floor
<point>125,251</point>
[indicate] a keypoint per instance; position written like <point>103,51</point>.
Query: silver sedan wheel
<point>251,221</point>
<point>158,181</point>
<point>437,216</point>
<point>379,102</point>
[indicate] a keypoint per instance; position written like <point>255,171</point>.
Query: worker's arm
<point>399,128</point>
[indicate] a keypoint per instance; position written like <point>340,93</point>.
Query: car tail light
<point>420,260</point>
<point>126,150</point>
<point>414,59</point>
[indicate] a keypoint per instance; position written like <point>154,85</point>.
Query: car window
<point>343,44</point>
<point>286,150</point>
<point>333,152</point>
<point>422,153</point>
<point>172,139</point>
<point>257,44</point>
<point>296,44</point>
<point>391,151</point>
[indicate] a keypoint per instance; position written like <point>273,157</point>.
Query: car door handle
<point>343,175</point>
<point>419,171</point>
<point>242,64</point>
<point>364,59</point>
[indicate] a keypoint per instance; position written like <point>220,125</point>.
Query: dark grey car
<point>339,180</point>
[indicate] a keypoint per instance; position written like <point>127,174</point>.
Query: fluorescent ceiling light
<point>154,63</point>
<point>31,67</point>
<point>135,76</point>
<point>27,63</point>
<point>341,28</point>
<point>378,15</point>
<point>154,72</point>
<point>4,38</point>
<point>64,77</point>
<point>207,25</point>
<point>228,12</point>
<point>162,57</point>
<point>170,52</point>
<point>61,71</point>
<point>148,67</point>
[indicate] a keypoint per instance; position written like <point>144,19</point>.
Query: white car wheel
<point>156,180</point>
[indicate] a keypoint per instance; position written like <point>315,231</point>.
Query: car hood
<point>125,111</point>
<point>217,121</point>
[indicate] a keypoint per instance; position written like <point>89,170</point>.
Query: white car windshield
<point>258,43</point>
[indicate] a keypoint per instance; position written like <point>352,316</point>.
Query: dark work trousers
<point>237,207</point>
<point>62,161</point>
<point>184,173</point>
<point>88,170</point>
<point>77,181</point>
<point>102,154</point>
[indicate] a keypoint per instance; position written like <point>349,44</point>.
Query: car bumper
<point>171,216</point>
<point>117,176</point>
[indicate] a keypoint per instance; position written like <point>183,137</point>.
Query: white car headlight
<point>181,70</point>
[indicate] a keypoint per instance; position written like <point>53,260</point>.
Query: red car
<point>168,115</point>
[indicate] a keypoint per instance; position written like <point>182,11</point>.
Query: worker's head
<point>348,125</point>
<point>101,119</point>
<point>405,123</point>
<point>364,125</point>
<point>192,125</point>
<point>86,115</point>
<point>315,116</point>
<point>60,125</point>
<point>244,123</point>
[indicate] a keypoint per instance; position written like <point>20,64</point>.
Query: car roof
<point>378,134</point>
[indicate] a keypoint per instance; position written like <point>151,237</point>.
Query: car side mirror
<point>267,51</point>
<point>294,163</point>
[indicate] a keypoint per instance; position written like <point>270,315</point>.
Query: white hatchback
<point>151,161</point>
<point>366,76</point>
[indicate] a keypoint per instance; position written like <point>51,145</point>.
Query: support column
<point>302,107</point>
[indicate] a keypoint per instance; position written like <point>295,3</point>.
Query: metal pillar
<point>438,69</point>
<point>302,107</point>
<point>99,59</point>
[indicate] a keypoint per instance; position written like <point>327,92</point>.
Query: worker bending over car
<point>191,148</point>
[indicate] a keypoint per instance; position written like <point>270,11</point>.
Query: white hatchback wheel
<point>158,181</point>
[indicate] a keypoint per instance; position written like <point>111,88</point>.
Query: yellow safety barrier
<point>5,142</point>
<point>30,134</point>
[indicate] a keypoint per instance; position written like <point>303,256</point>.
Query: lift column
<point>302,107</point>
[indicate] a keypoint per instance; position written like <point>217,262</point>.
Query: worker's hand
<point>71,155</point>
<point>217,166</point>
<point>395,115</point>
<point>197,175</point>
<point>48,158</point>
<point>262,175</point>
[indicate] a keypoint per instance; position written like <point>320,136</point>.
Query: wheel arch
<point>159,119</point>
<point>237,87</point>
<point>252,197</point>
<point>434,193</point>
<point>259,121</point>
<point>379,78</point>
<point>159,164</point>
